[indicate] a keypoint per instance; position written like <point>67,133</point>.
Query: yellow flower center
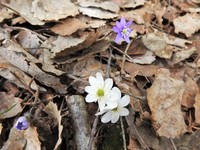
<point>115,109</point>
<point>100,92</point>
<point>125,31</point>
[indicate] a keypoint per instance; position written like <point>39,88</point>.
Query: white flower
<point>113,114</point>
<point>100,90</point>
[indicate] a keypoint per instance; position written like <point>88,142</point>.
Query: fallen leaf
<point>53,9</point>
<point>5,13</point>
<point>10,105</point>
<point>111,6</point>
<point>182,55</point>
<point>52,110</point>
<point>190,92</point>
<point>96,23</point>
<point>26,139</point>
<point>147,58</point>
<point>68,26</point>
<point>24,9</point>
<point>97,13</point>
<point>196,1</point>
<point>197,108</point>
<point>164,99</point>
<point>187,24</point>
<point>133,3</point>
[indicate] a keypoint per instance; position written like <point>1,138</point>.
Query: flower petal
<point>106,117</point>
<point>114,117</point>
<point>123,21</point>
<point>111,104</point>
<point>129,23</point>
<point>90,90</point>
<point>93,81</point>
<point>102,104</point>
<point>118,38</point>
<point>116,29</point>
<point>125,100</point>
<point>116,93</point>
<point>126,38</point>
<point>119,25</point>
<point>108,84</point>
<point>100,79</point>
<point>123,111</point>
<point>91,98</point>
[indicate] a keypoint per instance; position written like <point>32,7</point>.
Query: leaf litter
<point>49,50</point>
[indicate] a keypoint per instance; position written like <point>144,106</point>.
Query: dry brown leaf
<point>133,3</point>
<point>5,13</point>
<point>147,58</point>
<point>97,13</point>
<point>133,145</point>
<point>196,1</point>
<point>52,110</point>
<point>191,90</point>
<point>13,74</point>
<point>182,55</point>
<point>14,52</point>
<point>18,20</point>
<point>53,9</point>
<point>187,24</point>
<point>197,108</point>
<point>24,9</point>
<point>111,6</point>
<point>26,140</point>
<point>10,105</point>
<point>96,23</point>
<point>142,70</point>
<point>68,26</point>
<point>164,99</point>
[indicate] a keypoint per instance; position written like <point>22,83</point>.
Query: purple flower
<point>123,31</point>
<point>22,123</point>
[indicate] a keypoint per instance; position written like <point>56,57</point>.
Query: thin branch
<point>123,134</point>
<point>173,144</point>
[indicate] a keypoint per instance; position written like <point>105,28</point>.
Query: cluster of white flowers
<point>109,99</point>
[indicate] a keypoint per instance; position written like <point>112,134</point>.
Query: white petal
<point>91,98</point>
<point>108,84</point>
<point>114,117</point>
<point>106,117</point>
<point>125,100</point>
<point>115,94</point>
<point>90,89</point>
<point>99,78</point>
<point>101,112</point>
<point>123,111</point>
<point>93,81</point>
<point>102,104</point>
<point>111,104</point>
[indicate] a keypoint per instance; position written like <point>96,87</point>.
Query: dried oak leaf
<point>10,105</point>
<point>197,108</point>
<point>27,140</point>
<point>133,3</point>
<point>97,13</point>
<point>13,74</point>
<point>15,55</point>
<point>53,9</point>
<point>52,110</point>
<point>5,13</point>
<point>111,6</point>
<point>24,9</point>
<point>187,24</point>
<point>191,90</point>
<point>164,99</point>
<point>68,26</point>
<point>147,58</point>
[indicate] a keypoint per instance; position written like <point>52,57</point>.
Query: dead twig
<point>173,144</point>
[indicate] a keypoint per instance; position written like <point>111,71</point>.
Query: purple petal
<point>126,38</point>
<point>119,25</point>
<point>129,23</point>
<point>116,29</point>
<point>22,123</point>
<point>118,38</point>
<point>123,21</point>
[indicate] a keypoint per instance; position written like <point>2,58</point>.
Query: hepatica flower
<point>113,114</point>
<point>21,123</point>
<point>99,91</point>
<point>123,30</point>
